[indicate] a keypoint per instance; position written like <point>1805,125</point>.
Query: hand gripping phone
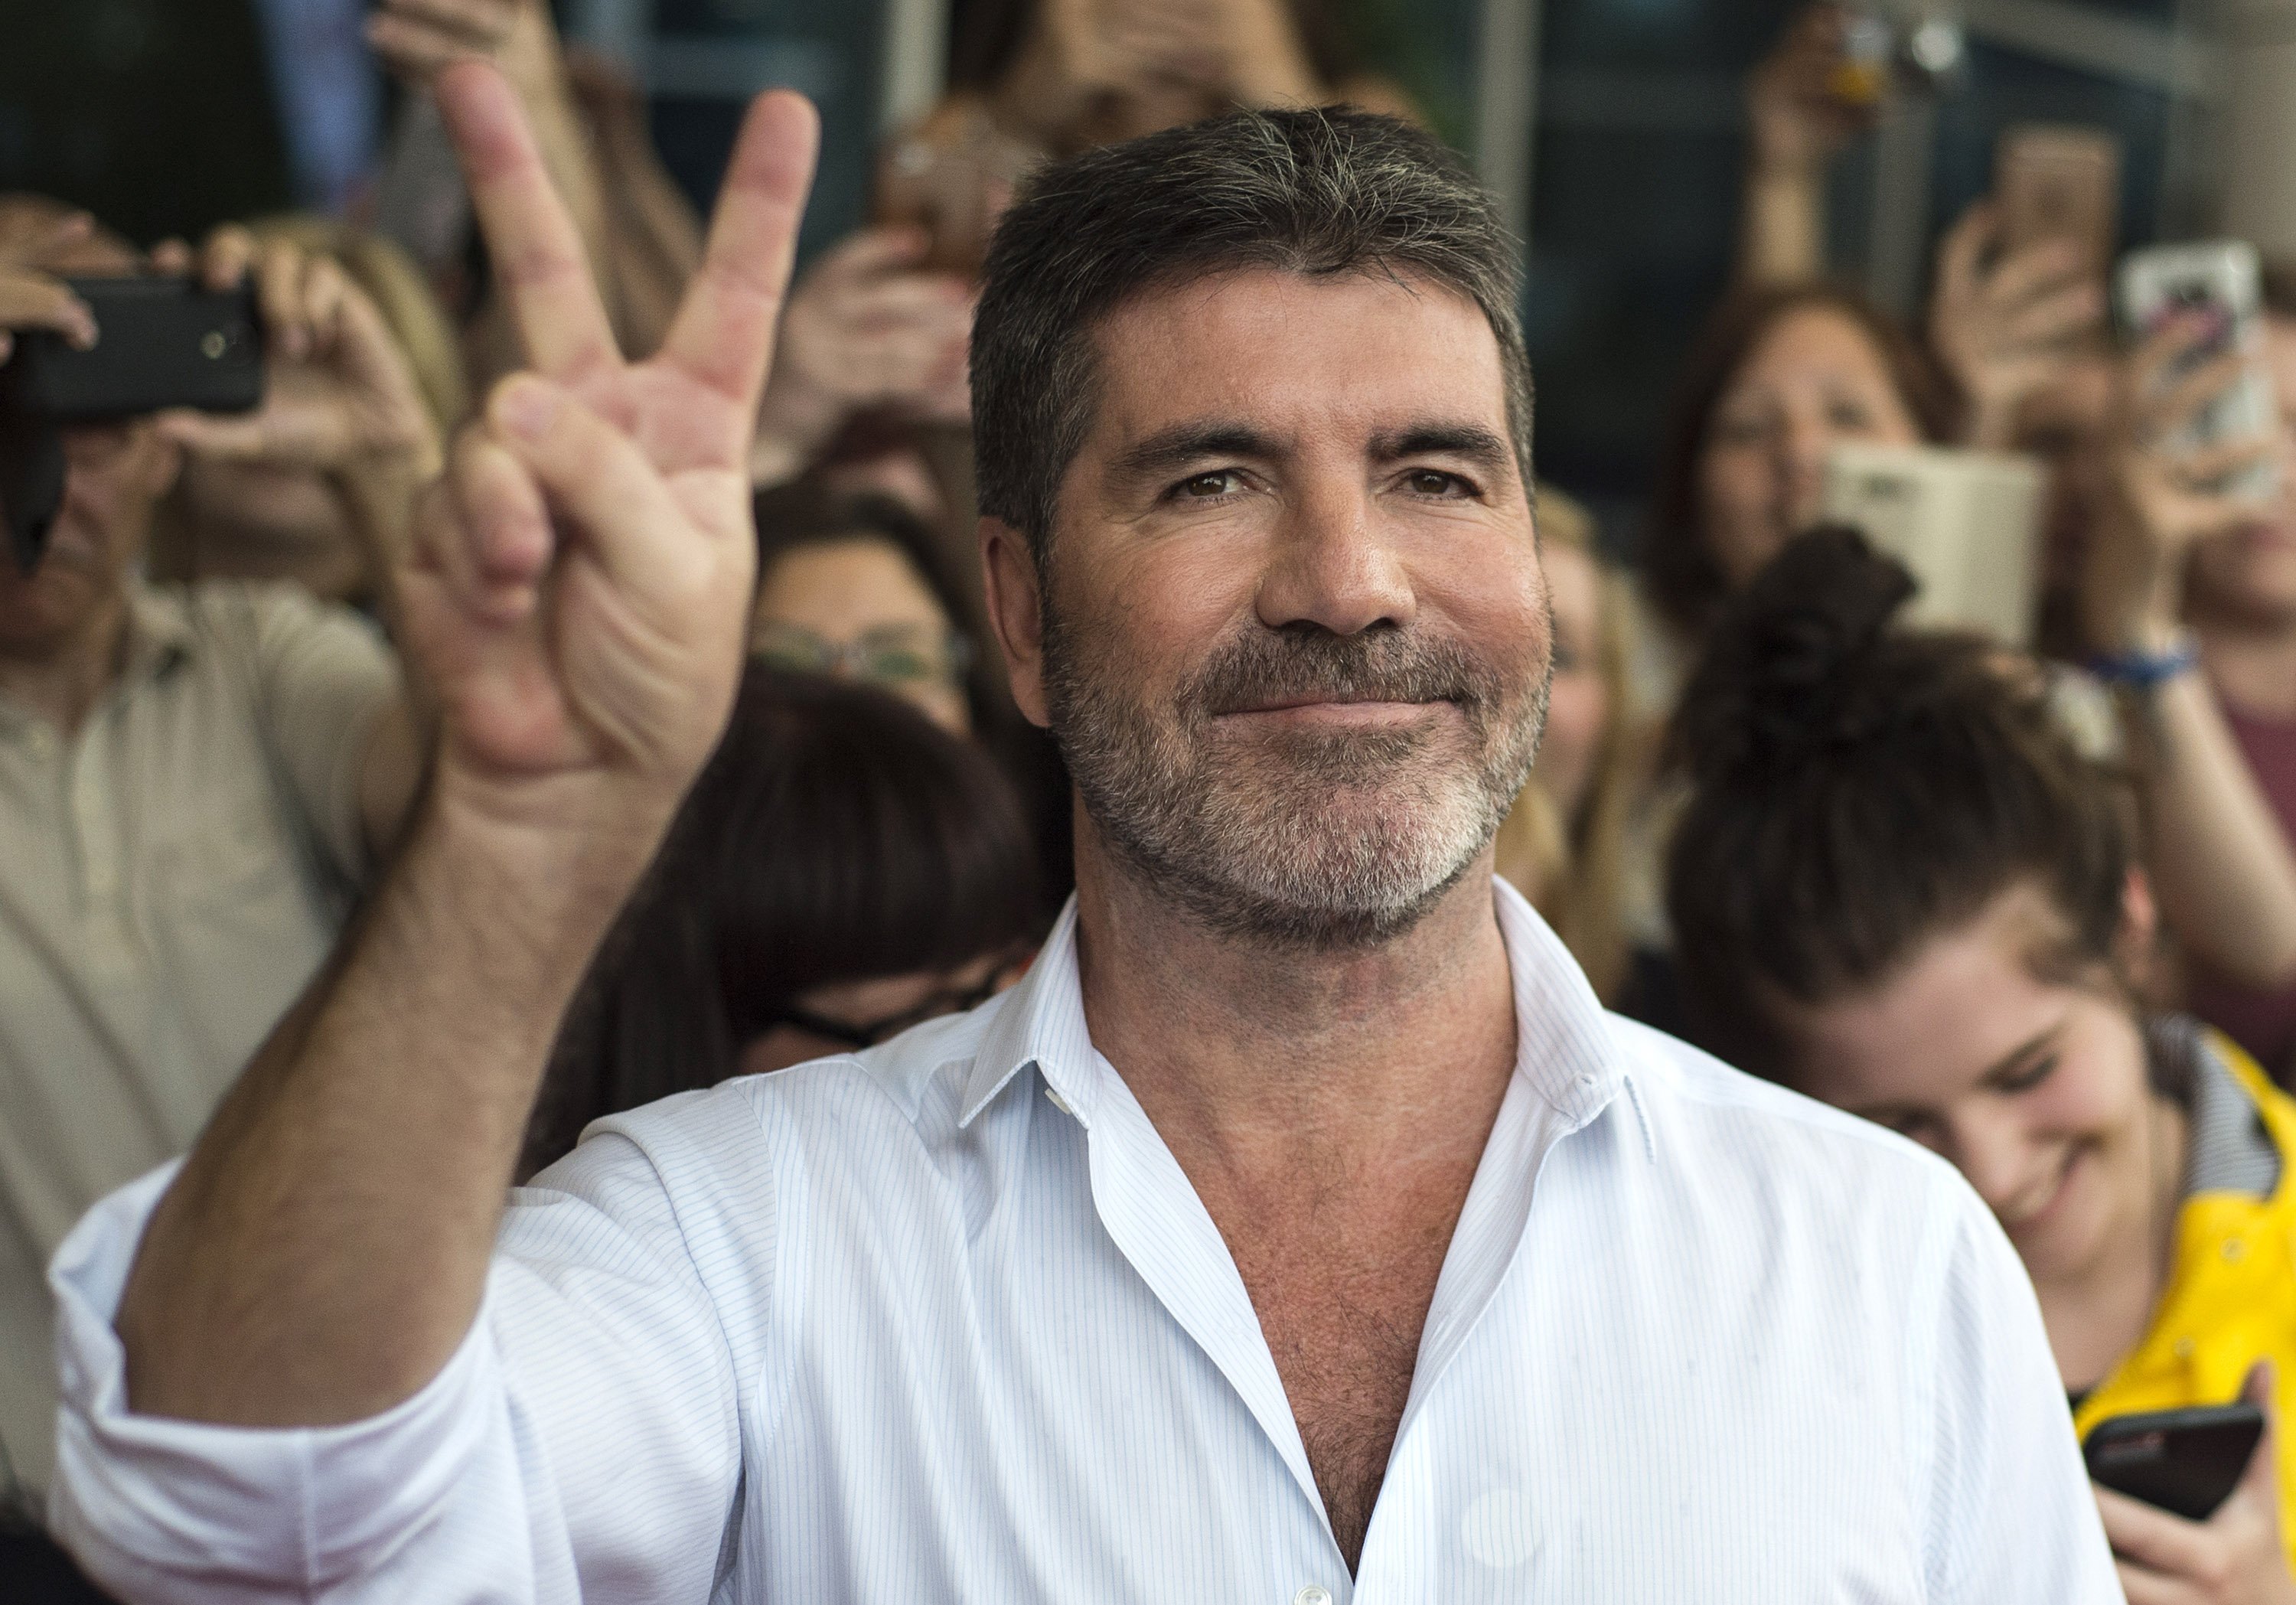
<point>2184,1462</point>
<point>2221,278</point>
<point>161,342</point>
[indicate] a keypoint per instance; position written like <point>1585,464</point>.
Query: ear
<point>1016,612</point>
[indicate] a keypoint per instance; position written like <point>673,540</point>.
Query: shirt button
<point>1315,1594</point>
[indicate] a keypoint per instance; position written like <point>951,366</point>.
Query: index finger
<point>722,336</point>
<point>537,253</point>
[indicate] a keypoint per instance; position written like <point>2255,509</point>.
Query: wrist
<point>2150,659</point>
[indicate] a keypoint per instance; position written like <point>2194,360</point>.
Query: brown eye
<point>1433,482</point>
<point>1218,483</point>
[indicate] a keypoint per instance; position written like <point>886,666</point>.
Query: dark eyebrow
<point>1170,449</point>
<point>2022,1051</point>
<point>1470,441</point>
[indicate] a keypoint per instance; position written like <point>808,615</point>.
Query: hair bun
<point>1789,668</point>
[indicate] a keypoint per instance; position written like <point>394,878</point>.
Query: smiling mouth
<point>1340,709</point>
<point>2028,1219</point>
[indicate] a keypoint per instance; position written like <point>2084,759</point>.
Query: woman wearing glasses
<point>842,870</point>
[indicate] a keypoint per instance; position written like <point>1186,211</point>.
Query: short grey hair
<point>1312,191</point>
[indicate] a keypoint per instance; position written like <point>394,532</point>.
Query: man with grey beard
<point>1300,1229</point>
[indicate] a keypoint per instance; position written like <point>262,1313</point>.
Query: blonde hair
<point>1573,870</point>
<point>378,265</point>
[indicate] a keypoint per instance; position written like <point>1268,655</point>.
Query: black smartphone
<point>161,343</point>
<point>2186,1461</point>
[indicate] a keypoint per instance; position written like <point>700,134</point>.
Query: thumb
<point>2262,1476</point>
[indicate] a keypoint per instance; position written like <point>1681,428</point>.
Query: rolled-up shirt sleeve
<point>583,1443</point>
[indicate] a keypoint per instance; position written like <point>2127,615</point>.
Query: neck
<point>1249,1057</point>
<point>2251,659</point>
<point>62,679</point>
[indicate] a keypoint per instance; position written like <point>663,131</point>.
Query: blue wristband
<point>2142,670</point>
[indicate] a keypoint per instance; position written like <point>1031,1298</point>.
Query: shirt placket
<point>1161,1226</point>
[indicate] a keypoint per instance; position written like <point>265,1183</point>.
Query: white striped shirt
<point>946,1322</point>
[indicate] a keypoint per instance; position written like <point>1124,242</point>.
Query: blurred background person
<point>1564,844</point>
<point>194,780</point>
<point>1900,886</point>
<point>2192,570</point>
<point>858,589</point>
<point>843,869</point>
<point>294,501</point>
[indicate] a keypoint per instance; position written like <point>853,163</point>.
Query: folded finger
<point>2057,314</point>
<point>495,551</point>
<point>226,258</point>
<point>481,21</point>
<point>537,255</point>
<point>2180,401</point>
<point>416,50</point>
<point>2034,269</point>
<point>2150,1537</point>
<point>596,475</point>
<point>29,300</point>
<point>2141,1586</point>
<point>280,270</point>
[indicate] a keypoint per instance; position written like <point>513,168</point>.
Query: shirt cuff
<point>157,1507</point>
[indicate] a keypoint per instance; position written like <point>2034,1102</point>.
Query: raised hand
<point>1795,114</point>
<point>32,295</point>
<point>338,395</point>
<point>2006,328</point>
<point>579,586</point>
<point>2155,497</point>
<point>868,327</point>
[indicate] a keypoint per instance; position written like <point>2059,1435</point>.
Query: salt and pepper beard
<point>1305,839</point>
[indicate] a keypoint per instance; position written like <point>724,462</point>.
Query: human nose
<point>1333,567</point>
<point>1803,445</point>
<point>1992,1159</point>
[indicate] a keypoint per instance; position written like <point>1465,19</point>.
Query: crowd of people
<point>2030,903</point>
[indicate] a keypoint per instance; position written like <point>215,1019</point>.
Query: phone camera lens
<point>213,344</point>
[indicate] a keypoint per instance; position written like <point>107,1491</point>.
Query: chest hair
<point>1342,1297</point>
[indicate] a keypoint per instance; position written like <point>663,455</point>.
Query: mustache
<point>1263,667</point>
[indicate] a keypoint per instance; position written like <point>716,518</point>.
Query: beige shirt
<point>169,879</point>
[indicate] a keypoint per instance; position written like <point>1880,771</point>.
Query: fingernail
<point>525,407</point>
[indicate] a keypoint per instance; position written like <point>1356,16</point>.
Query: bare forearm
<point>1784,238</point>
<point>2226,879</point>
<point>324,1249</point>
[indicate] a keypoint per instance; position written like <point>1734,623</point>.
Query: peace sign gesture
<point>579,581</point>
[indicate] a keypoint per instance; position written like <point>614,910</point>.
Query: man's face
<point>1295,637</point>
<point>114,475</point>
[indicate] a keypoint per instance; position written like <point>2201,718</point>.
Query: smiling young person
<point>1299,1229</point>
<point>1898,887</point>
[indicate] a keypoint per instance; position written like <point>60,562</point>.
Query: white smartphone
<point>2222,278</point>
<point>1967,524</point>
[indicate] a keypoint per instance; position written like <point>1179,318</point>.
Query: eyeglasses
<point>868,1034</point>
<point>893,655</point>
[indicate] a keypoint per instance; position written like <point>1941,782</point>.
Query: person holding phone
<point>1900,886</point>
<point>194,780</point>
<point>2193,559</point>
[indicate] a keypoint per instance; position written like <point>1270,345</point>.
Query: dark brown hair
<point>1679,574</point>
<point>836,835</point>
<point>1857,789</point>
<point>1317,192</point>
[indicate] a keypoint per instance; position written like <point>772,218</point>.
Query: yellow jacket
<point>2230,1299</point>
